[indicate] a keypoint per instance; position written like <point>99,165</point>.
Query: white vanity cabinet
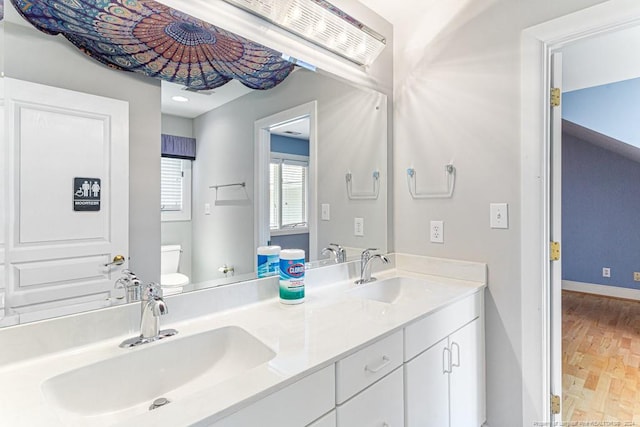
<point>297,405</point>
<point>445,381</point>
<point>431,373</point>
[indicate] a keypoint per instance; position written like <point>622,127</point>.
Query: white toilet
<point>171,281</point>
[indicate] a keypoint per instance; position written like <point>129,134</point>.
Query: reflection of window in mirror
<point>175,189</point>
<point>288,189</point>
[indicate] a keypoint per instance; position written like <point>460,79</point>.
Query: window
<point>175,189</point>
<point>288,182</point>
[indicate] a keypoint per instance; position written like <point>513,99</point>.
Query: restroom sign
<point>86,194</point>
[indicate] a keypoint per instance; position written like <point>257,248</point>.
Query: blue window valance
<point>178,147</point>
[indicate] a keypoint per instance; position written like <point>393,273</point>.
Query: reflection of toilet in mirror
<point>171,281</point>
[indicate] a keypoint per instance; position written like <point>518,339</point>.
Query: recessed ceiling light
<point>178,98</point>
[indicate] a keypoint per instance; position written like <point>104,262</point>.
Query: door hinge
<point>555,251</point>
<point>555,404</point>
<point>555,97</point>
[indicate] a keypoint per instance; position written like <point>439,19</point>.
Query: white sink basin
<point>150,371</point>
<point>391,290</point>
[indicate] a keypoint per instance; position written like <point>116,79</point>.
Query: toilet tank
<point>169,258</point>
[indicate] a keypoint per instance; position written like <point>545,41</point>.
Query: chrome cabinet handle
<point>455,346</point>
<point>446,360</point>
<point>117,260</point>
<point>376,369</point>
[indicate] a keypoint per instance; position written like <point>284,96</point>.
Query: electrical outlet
<point>437,232</point>
<point>636,276</point>
<point>606,272</point>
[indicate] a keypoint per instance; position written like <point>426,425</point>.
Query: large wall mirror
<point>310,132</point>
<point>301,165</point>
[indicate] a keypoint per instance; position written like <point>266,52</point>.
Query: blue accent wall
<point>285,144</point>
<point>611,109</point>
<point>293,241</point>
<point>600,214</point>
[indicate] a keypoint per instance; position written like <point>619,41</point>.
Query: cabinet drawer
<point>294,406</point>
<point>328,420</point>
<point>382,404</point>
<point>424,333</point>
<point>356,372</point>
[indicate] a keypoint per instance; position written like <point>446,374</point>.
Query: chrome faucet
<point>365,265</point>
<point>339,254</point>
<point>152,306</point>
<point>131,285</point>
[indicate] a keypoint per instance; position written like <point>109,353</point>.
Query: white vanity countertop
<point>307,337</point>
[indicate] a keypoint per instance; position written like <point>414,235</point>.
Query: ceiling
<point>298,129</point>
<point>199,102</point>
<point>606,58</point>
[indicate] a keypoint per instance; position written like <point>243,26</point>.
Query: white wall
<point>607,58</point>
<point>178,232</point>
<point>31,55</point>
<point>457,97</point>
<point>351,136</point>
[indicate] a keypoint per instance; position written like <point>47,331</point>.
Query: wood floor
<point>600,359</point>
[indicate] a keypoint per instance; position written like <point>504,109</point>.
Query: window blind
<point>171,176</point>
<point>288,193</point>
<point>294,195</point>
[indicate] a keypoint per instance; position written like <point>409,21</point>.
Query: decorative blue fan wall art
<point>147,37</point>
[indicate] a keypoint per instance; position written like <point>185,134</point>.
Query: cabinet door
<point>427,387</point>
<point>467,393</point>
<point>377,406</point>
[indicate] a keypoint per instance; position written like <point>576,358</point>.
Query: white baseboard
<point>610,291</point>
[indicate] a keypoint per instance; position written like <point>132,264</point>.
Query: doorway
<point>595,163</point>
<point>538,290</point>
<point>275,223</point>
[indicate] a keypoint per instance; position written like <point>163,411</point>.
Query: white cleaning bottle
<point>291,276</point>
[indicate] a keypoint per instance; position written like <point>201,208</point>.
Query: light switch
<point>207,209</point>
<point>358,226</point>
<point>326,212</point>
<point>499,215</point>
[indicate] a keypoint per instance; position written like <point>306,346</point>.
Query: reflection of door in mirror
<point>67,155</point>
<point>285,180</point>
<point>289,185</point>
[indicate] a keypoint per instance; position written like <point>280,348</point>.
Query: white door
<point>466,382</point>
<point>67,184</point>
<point>427,387</point>
<point>555,232</point>
<point>3,226</point>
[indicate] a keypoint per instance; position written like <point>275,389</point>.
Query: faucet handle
<point>341,254</point>
<point>129,274</point>
<point>152,291</point>
<point>367,252</point>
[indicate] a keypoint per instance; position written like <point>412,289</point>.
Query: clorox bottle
<point>291,276</point>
